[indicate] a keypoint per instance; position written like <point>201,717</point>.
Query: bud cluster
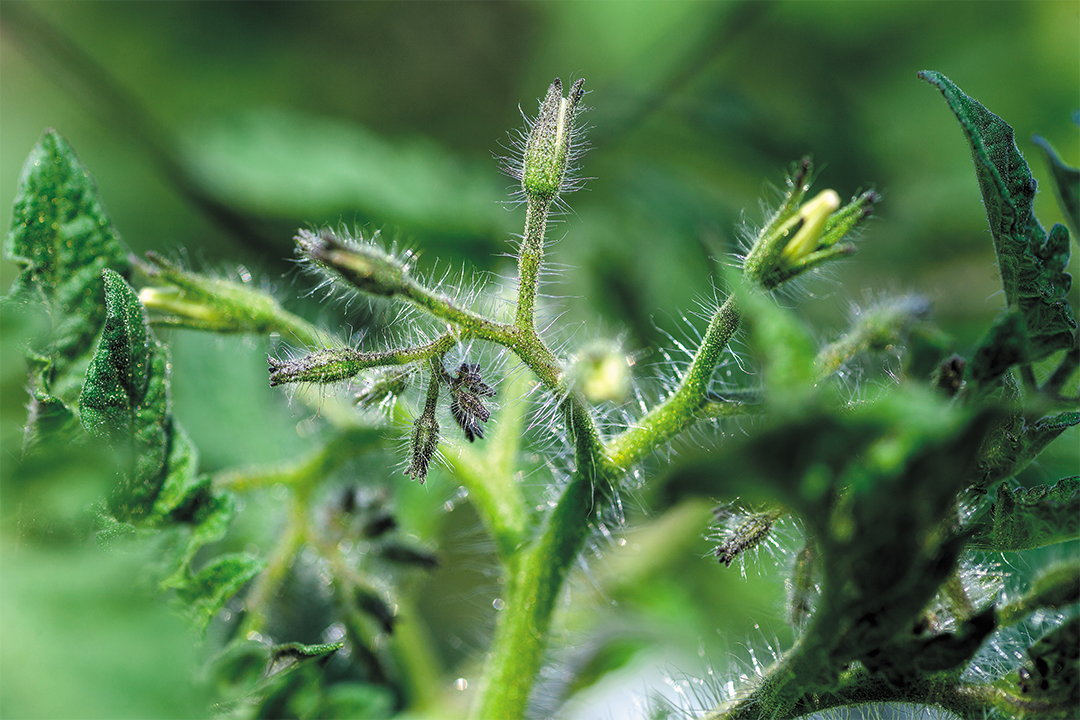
<point>467,394</point>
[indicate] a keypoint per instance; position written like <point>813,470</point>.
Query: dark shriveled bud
<point>466,405</point>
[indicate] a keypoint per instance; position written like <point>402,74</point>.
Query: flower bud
<point>601,372</point>
<point>818,226</point>
<point>425,437</point>
<point>813,215</point>
<point>321,367</point>
<point>364,266</point>
<point>383,386</point>
<point>548,145</point>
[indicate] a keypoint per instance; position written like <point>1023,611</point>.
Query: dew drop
<point>498,604</point>
<point>461,684</point>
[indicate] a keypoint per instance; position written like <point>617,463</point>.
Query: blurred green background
<point>215,130</point>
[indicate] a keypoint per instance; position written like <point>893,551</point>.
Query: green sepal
<point>125,398</point>
<point>1024,519</point>
<point>1032,264</point>
<point>206,593</point>
<point>1066,185</point>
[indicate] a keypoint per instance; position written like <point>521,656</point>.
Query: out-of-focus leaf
<point>903,660</point>
<point>82,640</point>
<point>1015,442</point>
<point>873,487</point>
<point>1054,673</point>
<point>1066,185</point>
<point>1032,264</point>
<point>356,700</point>
<point>207,592</point>
<point>284,163</point>
<point>1055,587</point>
<point>125,397</point>
<point>1023,519</point>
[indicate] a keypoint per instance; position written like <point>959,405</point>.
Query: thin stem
<point>468,323</point>
<point>530,260</point>
<point>307,472</point>
<point>277,568</point>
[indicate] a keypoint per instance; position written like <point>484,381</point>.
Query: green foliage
<point>890,490</point>
<point>1032,263</point>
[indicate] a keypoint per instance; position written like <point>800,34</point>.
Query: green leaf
<point>1032,264</point>
<point>1057,587</point>
<point>1024,519</point>
<point>62,239</point>
<point>1054,673</point>
<point>83,640</point>
<point>290,164</point>
<point>1066,185</point>
<point>206,593</point>
<point>287,657</point>
<point>125,397</point>
<point>1004,345</point>
<point>1015,443</point>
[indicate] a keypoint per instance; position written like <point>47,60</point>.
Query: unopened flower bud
<point>384,385</point>
<point>548,145</point>
<point>321,367</point>
<point>753,530</point>
<point>813,215</point>
<point>601,372</point>
<point>364,266</point>
<point>425,437</point>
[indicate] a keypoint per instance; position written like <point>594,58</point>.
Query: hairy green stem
<point>688,403</point>
<point>529,261</point>
<point>538,576</point>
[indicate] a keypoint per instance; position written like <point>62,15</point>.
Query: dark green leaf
<point>1003,346</point>
<point>206,593</point>
<point>62,239</point>
<point>1066,185</point>
<point>1023,519</point>
<point>1015,442</point>
<point>901,662</point>
<point>1032,264</point>
<point>125,397</point>
<point>1054,673</point>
